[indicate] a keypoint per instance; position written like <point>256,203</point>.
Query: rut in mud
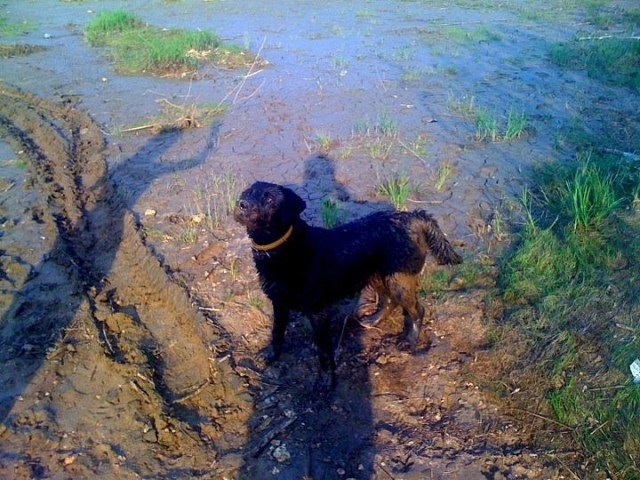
<point>99,312</point>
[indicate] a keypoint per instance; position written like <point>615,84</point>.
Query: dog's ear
<point>295,204</point>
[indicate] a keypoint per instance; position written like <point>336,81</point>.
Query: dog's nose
<point>243,205</point>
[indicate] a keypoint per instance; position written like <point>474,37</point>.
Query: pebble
<point>281,454</point>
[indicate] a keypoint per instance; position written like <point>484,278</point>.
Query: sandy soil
<point>132,328</point>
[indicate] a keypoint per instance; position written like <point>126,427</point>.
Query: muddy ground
<point>132,323</point>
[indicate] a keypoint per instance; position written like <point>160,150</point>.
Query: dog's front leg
<point>324,344</point>
<point>280,321</point>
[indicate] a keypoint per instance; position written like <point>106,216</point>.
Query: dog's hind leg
<point>403,289</point>
<point>413,318</point>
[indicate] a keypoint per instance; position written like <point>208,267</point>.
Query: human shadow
<point>317,434</point>
<point>90,227</point>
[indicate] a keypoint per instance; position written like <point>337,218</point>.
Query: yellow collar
<point>276,244</point>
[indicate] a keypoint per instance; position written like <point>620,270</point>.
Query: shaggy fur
<point>307,269</point>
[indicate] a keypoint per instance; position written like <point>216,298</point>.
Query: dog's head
<point>268,209</point>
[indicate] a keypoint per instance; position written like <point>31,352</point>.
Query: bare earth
<point>131,328</point>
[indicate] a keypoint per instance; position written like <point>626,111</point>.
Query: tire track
<point>106,261</point>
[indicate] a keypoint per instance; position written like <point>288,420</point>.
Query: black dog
<point>307,268</point>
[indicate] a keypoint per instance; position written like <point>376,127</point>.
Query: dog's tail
<point>437,242</point>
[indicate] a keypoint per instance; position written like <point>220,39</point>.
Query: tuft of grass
<point>464,105</point>
<point>156,51</point>
<point>486,126</point>
<point>476,35</point>
<point>382,126</point>
<point>386,126</point>
<point>589,197</point>
<point>443,173</point>
<point>138,48</point>
<point>324,141</point>
<point>380,148</point>
<point>486,122</point>
<point>404,53</point>
<point>517,123</point>
<point>108,23</point>
<point>332,215</point>
<point>215,201</point>
<point>396,189</point>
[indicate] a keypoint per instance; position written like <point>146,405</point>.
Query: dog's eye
<point>269,199</point>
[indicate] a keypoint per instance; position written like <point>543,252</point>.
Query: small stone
<point>151,436</point>
<point>150,212</point>
<point>281,454</point>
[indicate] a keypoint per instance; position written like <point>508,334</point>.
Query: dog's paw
<point>270,355</point>
<point>407,345</point>
<point>408,341</point>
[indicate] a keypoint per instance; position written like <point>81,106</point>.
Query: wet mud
<point>132,325</point>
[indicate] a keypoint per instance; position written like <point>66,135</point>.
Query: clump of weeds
<point>324,141</point>
<point>179,117</point>
<point>215,201</point>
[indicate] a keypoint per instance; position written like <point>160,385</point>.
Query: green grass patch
<point>11,29</point>
<point>139,48</point>
<point>569,289</point>
<point>488,125</point>
<point>611,60</point>
<point>108,24</point>
<point>473,35</point>
<point>383,126</point>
